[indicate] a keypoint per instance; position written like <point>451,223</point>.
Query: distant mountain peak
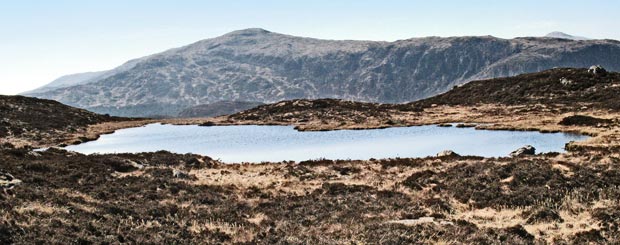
<point>249,32</point>
<point>562,35</point>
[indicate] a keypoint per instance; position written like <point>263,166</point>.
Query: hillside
<point>258,65</point>
<point>565,88</point>
<point>24,118</point>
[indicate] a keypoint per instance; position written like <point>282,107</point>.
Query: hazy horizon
<point>44,41</point>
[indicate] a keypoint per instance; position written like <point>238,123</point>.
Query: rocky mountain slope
<point>258,65</point>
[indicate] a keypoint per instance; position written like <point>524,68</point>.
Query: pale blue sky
<point>42,40</point>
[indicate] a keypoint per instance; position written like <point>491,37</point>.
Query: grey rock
<point>7,181</point>
<point>443,222</point>
<point>597,69</point>
<point>180,174</point>
<point>566,82</point>
<point>524,151</point>
<point>122,165</point>
<point>262,66</point>
<point>447,153</point>
<point>135,164</point>
<point>33,154</point>
<point>421,220</point>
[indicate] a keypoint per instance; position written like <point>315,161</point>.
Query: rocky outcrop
<point>448,153</point>
<point>422,220</point>
<point>7,181</point>
<point>258,65</point>
<point>597,69</point>
<point>527,150</point>
<point>566,82</point>
<point>180,174</point>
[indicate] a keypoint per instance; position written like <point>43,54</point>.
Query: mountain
<point>258,65</point>
<point>557,34</point>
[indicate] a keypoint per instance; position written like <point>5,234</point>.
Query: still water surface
<point>278,143</point>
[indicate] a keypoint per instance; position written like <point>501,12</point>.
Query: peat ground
<point>135,198</point>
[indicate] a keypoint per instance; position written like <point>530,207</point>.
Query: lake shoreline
<point>261,143</point>
<point>485,117</point>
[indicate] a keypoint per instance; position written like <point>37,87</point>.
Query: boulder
<point>180,174</point>
<point>7,181</point>
<point>33,154</point>
<point>195,162</point>
<point>597,70</point>
<point>123,165</point>
<point>135,164</point>
<point>527,150</point>
<point>448,153</point>
<point>207,124</point>
<point>566,82</point>
<point>466,125</point>
<point>421,220</point>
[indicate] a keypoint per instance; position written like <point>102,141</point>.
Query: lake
<point>252,143</point>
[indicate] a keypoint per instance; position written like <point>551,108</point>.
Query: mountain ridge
<point>259,65</point>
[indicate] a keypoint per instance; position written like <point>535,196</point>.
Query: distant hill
<point>83,78</point>
<point>557,34</point>
<point>218,108</point>
<point>68,81</point>
<point>258,65</point>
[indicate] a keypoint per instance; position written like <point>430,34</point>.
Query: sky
<point>43,40</point>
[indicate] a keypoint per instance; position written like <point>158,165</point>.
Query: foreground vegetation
<point>137,198</point>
